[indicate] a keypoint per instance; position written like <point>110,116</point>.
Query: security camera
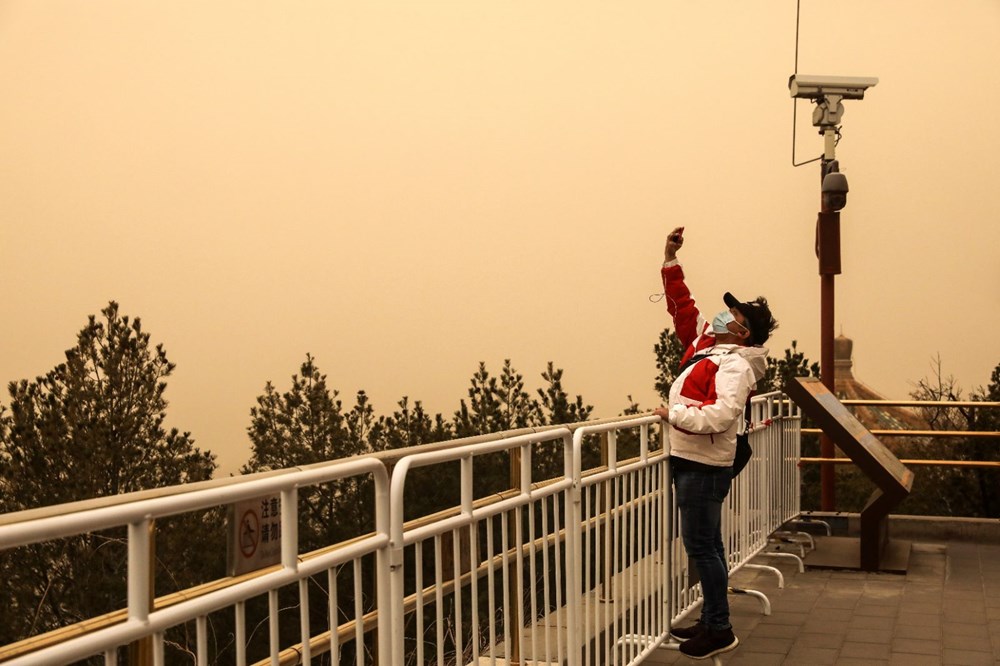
<point>834,191</point>
<point>805,86</point>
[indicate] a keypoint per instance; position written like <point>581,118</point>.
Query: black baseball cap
<point>758,316</point>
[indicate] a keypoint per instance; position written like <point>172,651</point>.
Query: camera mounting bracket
<point>828,112</point>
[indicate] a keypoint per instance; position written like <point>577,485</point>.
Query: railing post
<point>513,588</point>
<point>603,502</point>
<point>138,570</point>
<point>140,652</point>
<point>289,554</point>
<point>666,533</point>
<point>574,646</point>
<point>395,517</point>
<point>383,567</point>
<point>290,528</point>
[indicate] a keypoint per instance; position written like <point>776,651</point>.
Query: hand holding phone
<point>675,239</point>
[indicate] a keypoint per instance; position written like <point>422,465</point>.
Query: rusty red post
<point>828,253</point>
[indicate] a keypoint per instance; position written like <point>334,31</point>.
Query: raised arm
<point>688,322</point>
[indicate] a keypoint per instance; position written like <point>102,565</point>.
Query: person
<point>722,362</point>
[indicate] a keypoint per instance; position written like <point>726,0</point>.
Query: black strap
<point>691,361</point>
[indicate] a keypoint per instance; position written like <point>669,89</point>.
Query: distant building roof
<point>848,388</point>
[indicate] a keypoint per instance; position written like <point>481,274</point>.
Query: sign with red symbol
<point>254,534</point>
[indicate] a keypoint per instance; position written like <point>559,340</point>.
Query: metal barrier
<point>620,516</point>
<point>506,532</point>
<point>584,568</point>
<point>141,623</point>
<point>763,498</point>
<point>610,594</point>
<point>772,486</point>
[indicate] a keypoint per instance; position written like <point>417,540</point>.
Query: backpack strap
<point>691,361</point>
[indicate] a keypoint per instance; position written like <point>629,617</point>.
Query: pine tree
<point>555,405</point>
<point>633,408</point>
<point>782,370</point>
<point>517,408</point>
<point>408,427</point>
<point>668,351</point>
<point>93,426</point>
<point>556,408</point>
<point>307,424</point>
<point>303,426</point>
<point>482,414</point>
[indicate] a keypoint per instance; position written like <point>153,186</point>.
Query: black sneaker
<point>687,633</point>
<point>710,643</point>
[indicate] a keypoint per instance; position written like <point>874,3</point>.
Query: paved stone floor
<point>945,610</point>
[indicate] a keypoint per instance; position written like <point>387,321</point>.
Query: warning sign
<point>249,533</point>
<point>254,534</point>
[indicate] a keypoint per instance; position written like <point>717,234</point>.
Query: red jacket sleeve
<point>681,306</point>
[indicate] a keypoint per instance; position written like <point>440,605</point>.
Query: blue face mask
<point>721,322</point>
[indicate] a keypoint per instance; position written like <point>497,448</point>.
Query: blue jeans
<point>699,497</point>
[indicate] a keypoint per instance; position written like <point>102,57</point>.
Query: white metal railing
<point>584,568</point>
<point>621,515</point>
<point>766,495</point>
<point>500,535</point>
<point>762,499</point>
<point>142,623</point>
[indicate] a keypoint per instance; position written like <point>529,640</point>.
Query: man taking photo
<point>722,362</point>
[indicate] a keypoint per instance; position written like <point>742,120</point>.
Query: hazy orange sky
<point>404,189</point>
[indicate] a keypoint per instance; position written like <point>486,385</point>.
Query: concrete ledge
<point>914,528</point>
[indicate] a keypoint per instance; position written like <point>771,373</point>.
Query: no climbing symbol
<point>254,534</point>
<point>249,533</point>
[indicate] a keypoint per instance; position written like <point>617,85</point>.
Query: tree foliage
<point>300,426</point>
<point>782,370</point>
<point>306,425</point>
<point>92,426</point>
<point>498,405</point>
<point>482,412</point>
<point>948,490</point>
<point>555,404</point>
<point>669,351</point>
<point>517,409</point>
<point>410,425</point>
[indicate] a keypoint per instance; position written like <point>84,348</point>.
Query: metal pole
<point>828,253</point>
<point>828,486</point>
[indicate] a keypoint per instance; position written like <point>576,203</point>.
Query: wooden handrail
<point>986,464</point>
<point>978,434</point>
<point>922,403</point>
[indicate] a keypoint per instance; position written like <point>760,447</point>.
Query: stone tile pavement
<point>945,610</point>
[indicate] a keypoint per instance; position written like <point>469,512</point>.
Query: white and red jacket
<point>707,400</point>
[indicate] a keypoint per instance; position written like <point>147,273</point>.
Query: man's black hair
<point>759,319</point>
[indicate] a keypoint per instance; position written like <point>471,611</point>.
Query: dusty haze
<point>404,189</point>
